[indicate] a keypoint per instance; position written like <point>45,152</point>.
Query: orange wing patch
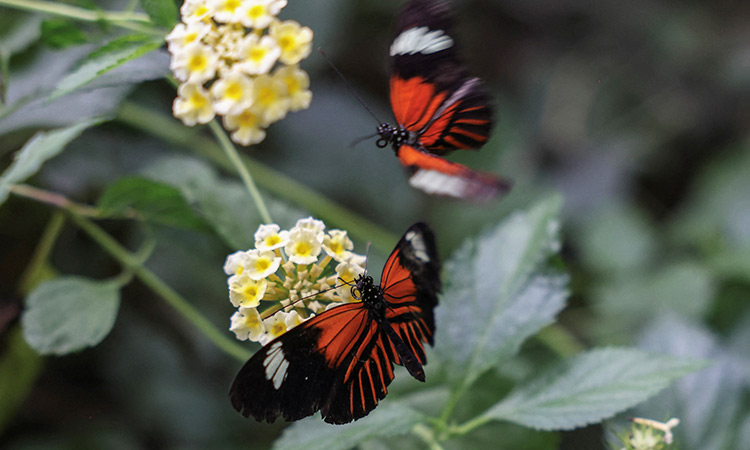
<point>414,101</point>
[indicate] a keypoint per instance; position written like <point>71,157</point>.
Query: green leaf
<point>627,303</point>
<point>161,12</point>
<point>590,387</point>
<point>709,403</point>
<point>617,240</point>
<point>60,33</point>
<point>19,367</point>
<point>114,54</point>
<point>314,434</point>
<point>156,202</point>
<point>69,313</point>
<point>41,147</point>
<point>498,294</point>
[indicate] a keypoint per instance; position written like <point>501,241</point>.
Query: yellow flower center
<point>272,240</point>
<point>277,329</point>
<point>191,37</point>
<point>335,247</point>
<point>302,249</point>
<point>286,42</point>
<point>256,11</point>
<point>231,5</point>
<point>199,101</point>
<point>257,53</point>
<point>234,91</point>
<point>248,120</point>
<point>197,63</point>
<point>292,85</point>
<point>200,11</point>
<point>251,291</point>
<point>266,96</point>
<point>262,264</point>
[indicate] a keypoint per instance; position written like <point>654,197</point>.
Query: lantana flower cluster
<point>289,277</point>
<point>235,59</point>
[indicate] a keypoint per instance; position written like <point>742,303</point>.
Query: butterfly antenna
<point>363,138</point>
<point>350,87</point>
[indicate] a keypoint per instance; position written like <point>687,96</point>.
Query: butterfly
<point>340,362</point>
<point>437,106</point>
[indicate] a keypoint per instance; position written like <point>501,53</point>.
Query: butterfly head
<point>365,288</point>
<point>395,136</point>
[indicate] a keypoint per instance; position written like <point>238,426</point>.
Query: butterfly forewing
<point>341,362</point>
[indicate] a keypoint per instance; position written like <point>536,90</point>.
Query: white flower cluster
<point>223,53</point>
<point>287,278</point>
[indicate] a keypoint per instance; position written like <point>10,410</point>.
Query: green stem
<point>275,182</point>
<point>131,263</point>
<point>35,269</point>
<point>558,339</point>
<point>132,21</point>
<point>428,437</point>
<point>466,427</point>
<point>231,151</point>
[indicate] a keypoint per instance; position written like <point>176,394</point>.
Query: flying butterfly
<point>340,362</point>
<point>437,106</point>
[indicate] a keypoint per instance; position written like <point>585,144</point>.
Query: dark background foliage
<point>637,112</point>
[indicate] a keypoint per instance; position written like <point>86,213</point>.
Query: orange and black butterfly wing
<point>302,371</point>
<point>438,176</point>
<point>410,283</point>
<point>431,93</point>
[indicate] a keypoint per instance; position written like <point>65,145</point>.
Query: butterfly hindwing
<point>439,176</point>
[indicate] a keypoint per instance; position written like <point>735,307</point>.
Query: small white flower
<point>297,83</point>
<point>235,263</point>
<point>259,14</point>
<point>195,62</point>
<point>193,104</point>
<point>270,237</point>
<point>256,55</point>
<point>303,246</point>
<point>246,127</point>
<point>233,93</point>
<point>244,291</point>
<point>246,324</point>
<point>275,325</point>
<point>195,11</point>
<point>293,319</point>
<point>270,99</point>
<point>294,40</point>
<point>312,224</point>
<point>337,245</point>
<point>184,34</point>
<point>227,11</point>
<point>261,264</point>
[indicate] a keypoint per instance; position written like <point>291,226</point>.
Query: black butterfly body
<point>341,361</point>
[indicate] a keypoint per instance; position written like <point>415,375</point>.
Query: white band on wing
<point>420,40</point>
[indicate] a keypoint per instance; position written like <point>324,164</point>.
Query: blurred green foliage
<point>635,111</point>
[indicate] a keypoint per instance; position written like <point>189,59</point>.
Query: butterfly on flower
<point>437,106</point>
<point>340,362</point>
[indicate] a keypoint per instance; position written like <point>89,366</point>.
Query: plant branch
<point>131,262</point>
<point>129,20</point>
<point>231,151</point>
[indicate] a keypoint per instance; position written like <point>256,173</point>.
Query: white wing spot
<point>417,243</point>
<point>275,365</point>
<point>420,40</point>
<point>434,182</point>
